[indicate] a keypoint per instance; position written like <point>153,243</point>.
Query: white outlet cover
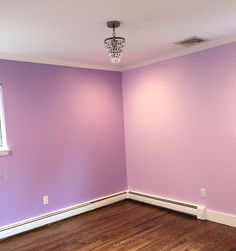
<point>45,200</point>
<point>203,193</point>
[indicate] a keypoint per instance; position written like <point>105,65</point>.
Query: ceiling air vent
<point>191,41</point>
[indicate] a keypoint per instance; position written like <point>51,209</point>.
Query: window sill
<point>4,151</point>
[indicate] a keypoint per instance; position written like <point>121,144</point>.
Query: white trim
<point>201,212</point>
<point>222,218</point>
<point>164,202</point>
<point>196,210</point>
<point>185,51</point>
<point>51,61</point>
<point>45,219</point>
<point>120,68</point>
<point>4,150</point>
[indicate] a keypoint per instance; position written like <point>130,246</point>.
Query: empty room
<point>117,125</point>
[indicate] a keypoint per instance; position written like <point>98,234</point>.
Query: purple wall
<point>65,129</point>
<point>180,128</point>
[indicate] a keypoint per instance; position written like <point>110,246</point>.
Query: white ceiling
<point>71,32</point>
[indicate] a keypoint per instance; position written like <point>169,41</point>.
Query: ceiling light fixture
<point>114,45</point>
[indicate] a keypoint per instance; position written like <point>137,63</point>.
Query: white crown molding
<point>189,50</point>
<point>52,61</point>
<point>185,51</point>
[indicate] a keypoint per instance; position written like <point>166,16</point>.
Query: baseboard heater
<point>46,219</point>
<point>191,209</point>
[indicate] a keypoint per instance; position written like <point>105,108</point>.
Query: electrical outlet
<point>203,193</point>
<point>45,200</point>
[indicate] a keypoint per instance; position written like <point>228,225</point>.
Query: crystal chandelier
<point>114,45</point>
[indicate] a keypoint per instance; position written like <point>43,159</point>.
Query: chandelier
<point>114,45</point>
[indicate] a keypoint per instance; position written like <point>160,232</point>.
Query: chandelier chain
<point>114,32</point>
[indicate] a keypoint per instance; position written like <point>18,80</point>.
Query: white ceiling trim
<point>184,51</point>
<point>51,61</point>
<point>189,50</point>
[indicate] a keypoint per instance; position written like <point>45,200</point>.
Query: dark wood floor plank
<point>130,226</point>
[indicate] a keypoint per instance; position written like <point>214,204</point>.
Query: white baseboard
<point>32,223</point>
<point>179,206</point>
<point>196,210</point>
<point>200,211</point>
<point>222,218</point>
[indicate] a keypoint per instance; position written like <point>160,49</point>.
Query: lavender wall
<point>65,129</point>
<point>180,128</point>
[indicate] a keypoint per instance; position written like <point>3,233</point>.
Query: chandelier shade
<point>114,45</point>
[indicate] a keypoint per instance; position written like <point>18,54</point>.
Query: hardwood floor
<point>127,225</point>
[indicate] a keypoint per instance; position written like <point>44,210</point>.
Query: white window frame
<point>4,149</point>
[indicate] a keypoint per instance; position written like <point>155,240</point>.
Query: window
<point>4,150</point>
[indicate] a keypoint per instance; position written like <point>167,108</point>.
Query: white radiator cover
<point>196,210</point>
<point>199,211</point>
<point>42,220</point>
